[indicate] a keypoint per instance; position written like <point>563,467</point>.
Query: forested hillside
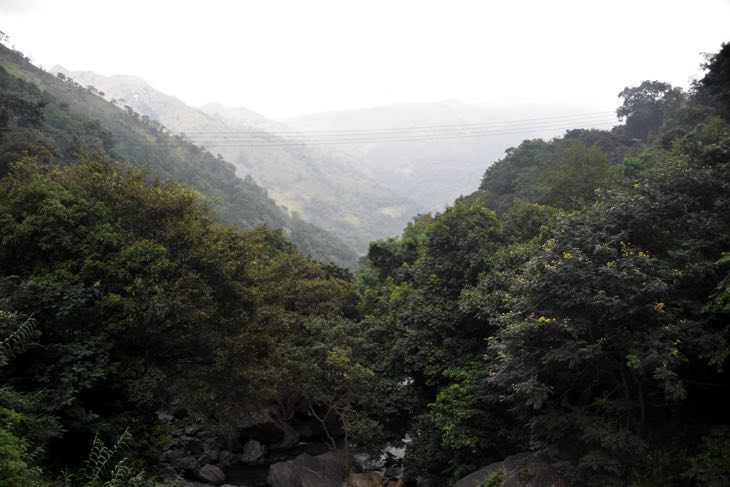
<point>75,120</point>
<point>575,305</point>
<point>324,188</point>
<point>574,311</point>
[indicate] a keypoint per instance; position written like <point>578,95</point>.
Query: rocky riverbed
<point>265,452</point>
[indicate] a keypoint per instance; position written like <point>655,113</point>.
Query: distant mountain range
<point>324,188</point>
<point>386,164</point>
<point>462,140</point>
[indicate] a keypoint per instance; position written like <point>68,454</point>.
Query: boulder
<point>191,445</point>
<point>165,473</point>
<point>253,453</point>
<point>227,458</point>
<point>188,483</point>
<point>523,470</point>
<point>205,459</point>
<point>393,473</point>
<point>185,463</point>
<point>371,479</point>
<point>212,448</point>
<point>172,454</point>
<point>307,471</point>
<point>211,474</point>
<point>268,429</point>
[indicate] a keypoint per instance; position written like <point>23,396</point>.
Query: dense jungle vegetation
<point>577,304</point>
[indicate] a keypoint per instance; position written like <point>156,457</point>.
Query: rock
<point>266,428</point>
<point>188,464</point>
<point>212,474</point>
<point>368,463</point>
<point>253,453</point>
<point>212,448</point>
<point>307,471</point>
<point>165,417</point>
<point>371,479</point>
<point>189,483</point>
<point>172,454</point>
<point>179,412</point>
<point>395,473</point>
<point>523,470</point>
<point>192,445</point>
<point>165,473</point>
<point>205,459</point>
<point>227,458</point>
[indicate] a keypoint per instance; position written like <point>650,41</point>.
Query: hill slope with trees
<point>77,120</point>
<point>323,187</point>
<point>576,306</point>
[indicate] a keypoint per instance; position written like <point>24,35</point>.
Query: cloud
<point>20,6</point>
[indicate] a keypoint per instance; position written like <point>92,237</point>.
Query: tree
<point>714,88</point>
<point>646,107</point>
<point>608,323</point>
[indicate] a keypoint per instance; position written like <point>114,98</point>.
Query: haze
<point>285,58</point>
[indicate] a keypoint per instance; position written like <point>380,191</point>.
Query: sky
<point>285,58</point>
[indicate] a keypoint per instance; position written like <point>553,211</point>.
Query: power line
<point>412,128</point>
<point>291,143</point>
<point>385,135</point>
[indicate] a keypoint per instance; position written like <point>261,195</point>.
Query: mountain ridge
<point>79,121</point>
<point>323,187</point>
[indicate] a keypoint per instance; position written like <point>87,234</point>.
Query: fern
<point>100,458</point>
<point>105,468</point>
<point>14,344</point>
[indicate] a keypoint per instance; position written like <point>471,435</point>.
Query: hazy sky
<point>284,58</point>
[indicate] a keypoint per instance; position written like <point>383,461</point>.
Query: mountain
<point>323,187</point>
<point>77,122</point>
<point>452,160</point>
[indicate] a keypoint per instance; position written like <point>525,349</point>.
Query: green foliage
<point>426,321</point>
<point>708,143</point>
<point>714,88</point>
<point>15,342</point>
<point>563,173</point>
<point>722,296</point>
<point>457,247</point>
<point>574,326</point>
<point>494,480</point>
<point>578,304</point>
<point>23,431</point>
<point>587,318</point>
<point>107,467</point>
<point>141,295</point>
<point>646,107</point>
<point>16,465</point>
<point>711,466</point>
